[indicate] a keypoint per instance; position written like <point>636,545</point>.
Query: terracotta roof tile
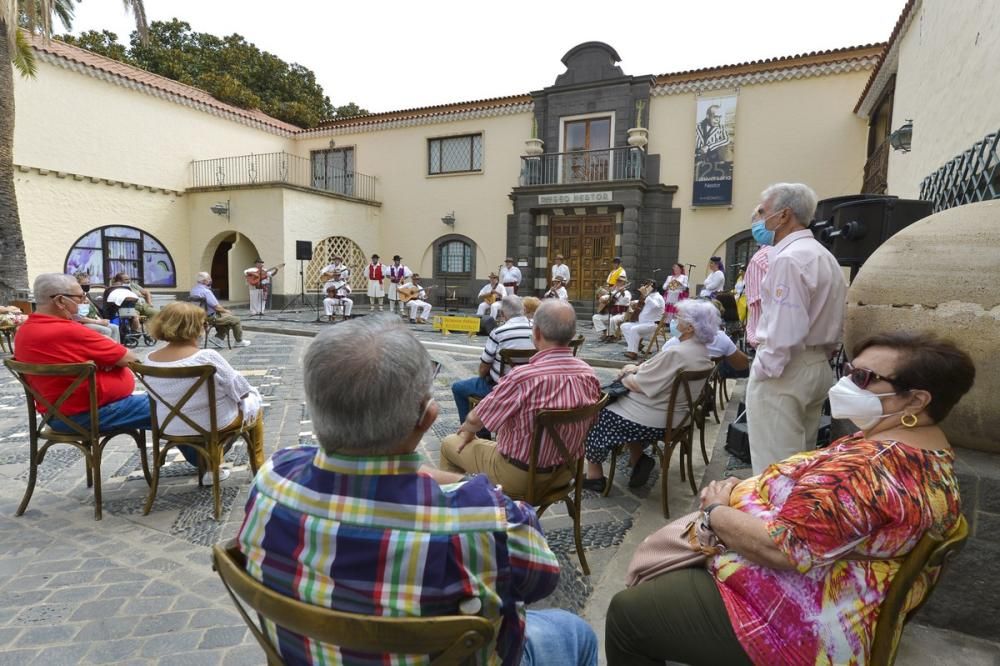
<point>98,62</point>
<point>896,31</point>
<point>424,111</point>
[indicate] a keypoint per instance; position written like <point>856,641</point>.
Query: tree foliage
<point>230,68</point>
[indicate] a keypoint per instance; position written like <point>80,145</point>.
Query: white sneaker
<point>206,478</point>
<point>216,342</point>
<point>242,343</point>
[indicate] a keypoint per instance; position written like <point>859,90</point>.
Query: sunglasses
<point>863,377</point>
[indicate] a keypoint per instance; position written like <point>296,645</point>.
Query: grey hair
<point>703,316</point>
<point>555,321</point>
<point>366,382</point>
<point>202,276</point>
<point>512,306</point>
<point>48,285</point>
<point>796,197</point>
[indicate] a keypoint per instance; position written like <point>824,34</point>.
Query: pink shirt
<point>753,279</point>
<point>552,379</point>
<point>804,296</point>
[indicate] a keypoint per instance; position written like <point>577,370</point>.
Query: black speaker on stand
<point>304,253</point>
<point>860,227</point>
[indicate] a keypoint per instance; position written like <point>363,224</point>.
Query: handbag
<point>685,542</point>
<point>615,390</point>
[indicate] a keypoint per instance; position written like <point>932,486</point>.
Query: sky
<point>391,54</point>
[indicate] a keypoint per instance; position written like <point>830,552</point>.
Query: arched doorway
<point>346,249</point>
<point>225,258</point>
<point>220,269</point>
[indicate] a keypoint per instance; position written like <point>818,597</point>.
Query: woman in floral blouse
<point>814,542</point>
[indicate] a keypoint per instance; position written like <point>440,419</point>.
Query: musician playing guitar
<point>557,290</point>
<point>259,281</point>
<point>338,293</point>
<point>611,308</point>
<point>491,295</point>
<point>413,297</point>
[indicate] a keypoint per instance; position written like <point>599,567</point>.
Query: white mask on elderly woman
<point>862,407</point>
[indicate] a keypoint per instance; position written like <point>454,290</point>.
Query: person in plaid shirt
<point>358,524</point>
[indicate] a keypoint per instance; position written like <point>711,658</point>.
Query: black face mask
<point>85,287</point>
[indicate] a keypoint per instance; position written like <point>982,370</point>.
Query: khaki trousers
<point>783,412</point>
<point>222,322</point>
<point>481,456</point>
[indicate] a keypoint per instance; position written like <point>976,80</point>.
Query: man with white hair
<point>804,296</point>
<point>51,336</point>
<point>373,531</point>
<point>514,334</point>
<point>218,316</point>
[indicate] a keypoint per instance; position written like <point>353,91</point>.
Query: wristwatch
<point>706,514</point>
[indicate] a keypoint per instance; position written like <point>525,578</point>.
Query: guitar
<point>490,298</point>
<point>254,279</point>
<point>607,299</point>
<point>408,292</point>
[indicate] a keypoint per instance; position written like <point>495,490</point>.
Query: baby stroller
<point>121,315</point>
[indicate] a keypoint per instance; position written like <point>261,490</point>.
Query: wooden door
<point>588,246</point>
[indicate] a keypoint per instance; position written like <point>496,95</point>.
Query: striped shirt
<point>373,536</point>
<point>753,278</point>
<point>553,379</point>
<point>515,334</point>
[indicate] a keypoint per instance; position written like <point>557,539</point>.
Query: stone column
<point>630,241</point>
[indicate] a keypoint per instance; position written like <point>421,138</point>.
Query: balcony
<point>877,170</point>
<point>275,168</point>
<point>583,166</point>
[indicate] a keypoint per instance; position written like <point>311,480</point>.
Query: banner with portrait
<point>715,135</point>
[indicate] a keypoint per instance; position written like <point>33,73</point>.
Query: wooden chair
<point>576,343</point>
<point>7,337</point>
<point>211,444</point>
<point>453,639</point>
<point>932,551</point>
<point>509,358</point>
<point>660,333</point>
<point>572,493</point>
<point>681,433</point>
<point>702,407</point>
<point>209,325</point>
<point>90,441</point>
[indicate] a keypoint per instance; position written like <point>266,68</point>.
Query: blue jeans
<point>559,638</point>
<point>461,390</point>
<point>130,412</point>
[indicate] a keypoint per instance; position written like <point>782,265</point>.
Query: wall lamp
<point>449,219</point>
<point>221,208</point>
<point>900,139</point>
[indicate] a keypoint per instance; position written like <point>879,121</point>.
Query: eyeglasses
<point>79,298</point>
<point>863,377</point>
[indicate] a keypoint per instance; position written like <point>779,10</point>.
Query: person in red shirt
<point>51,336</point>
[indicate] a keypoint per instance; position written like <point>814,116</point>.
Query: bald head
<point>555,322</point>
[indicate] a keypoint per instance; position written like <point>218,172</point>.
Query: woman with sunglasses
<point>810,546</point>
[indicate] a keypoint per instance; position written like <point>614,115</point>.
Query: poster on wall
<point>715,134</point>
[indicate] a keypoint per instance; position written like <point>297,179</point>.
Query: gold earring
<point>908,420</point>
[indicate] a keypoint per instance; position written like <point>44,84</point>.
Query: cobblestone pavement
<point>134,589</point>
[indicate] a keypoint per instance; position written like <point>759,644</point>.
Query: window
<point>333,170</point>
<point>455,154</point>
<point>106,251</point>
<point>455,257</point>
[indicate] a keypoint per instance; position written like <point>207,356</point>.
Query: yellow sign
<point>444,324</point>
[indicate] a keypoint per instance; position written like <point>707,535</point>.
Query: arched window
<point>105,251</point>
<point>455,258</point>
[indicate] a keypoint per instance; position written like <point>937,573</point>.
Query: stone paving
<point>136,589</point>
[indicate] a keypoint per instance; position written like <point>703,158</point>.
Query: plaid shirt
<point>372,536</point>
<point>553,379</point>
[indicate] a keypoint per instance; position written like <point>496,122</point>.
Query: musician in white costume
<point>338,293</point>
<point>397,273</point>
<point>416,299</point>
<point>490,297</point>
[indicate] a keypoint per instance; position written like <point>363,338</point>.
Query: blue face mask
<point>760,232</point>
<point>674,331</point>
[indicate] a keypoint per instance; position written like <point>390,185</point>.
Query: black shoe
<point>641,472</point>
<point>597,485</point>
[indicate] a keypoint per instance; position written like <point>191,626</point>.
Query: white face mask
<point>83,309</point>
<point>848,401</point>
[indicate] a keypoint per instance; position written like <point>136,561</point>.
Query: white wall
<point>947,84</point>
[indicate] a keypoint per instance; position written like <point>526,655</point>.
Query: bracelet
<point>706,514</point>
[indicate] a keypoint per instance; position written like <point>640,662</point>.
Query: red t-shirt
<point>44,339</point>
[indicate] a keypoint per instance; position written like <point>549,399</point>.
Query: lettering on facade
<point>573,198</point>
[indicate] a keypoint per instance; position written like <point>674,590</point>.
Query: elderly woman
<point>715,279</point>
<point>640,416</point>
<point>181,324</point>
<point>815,540</point>
<point>88,315</point>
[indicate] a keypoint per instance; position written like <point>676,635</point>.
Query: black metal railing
<point>970,177</point>
<point>269,168</point>
<point>583,166</point>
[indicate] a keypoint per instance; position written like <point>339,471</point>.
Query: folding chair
<point>453,639</point>
<point>209,325</point>
<point>90,441</point>
<point>660,333</point>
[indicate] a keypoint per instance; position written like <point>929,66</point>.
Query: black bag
<point>615,390</point>
<point>486,325</point>
<point>737,437</point>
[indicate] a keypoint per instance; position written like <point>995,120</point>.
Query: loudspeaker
<point>303,250</point>
<point>860,227</point>
<point>822,223</point>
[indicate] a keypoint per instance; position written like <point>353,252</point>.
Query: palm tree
<point>35,17</point>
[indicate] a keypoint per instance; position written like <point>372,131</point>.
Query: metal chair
<point>681,433</point>
<point>211,444</point>
<point>931,552</point>
<point>90,441</point>
<point>452,639</point>
<point>572,493</point>
<point>209,325</point>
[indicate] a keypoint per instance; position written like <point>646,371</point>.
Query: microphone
<point>656,270</point>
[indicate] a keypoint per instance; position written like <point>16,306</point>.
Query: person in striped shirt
<point>753,279</point>
<point>359,524</point>
<point>553,379</point>
<point>515,334</point>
